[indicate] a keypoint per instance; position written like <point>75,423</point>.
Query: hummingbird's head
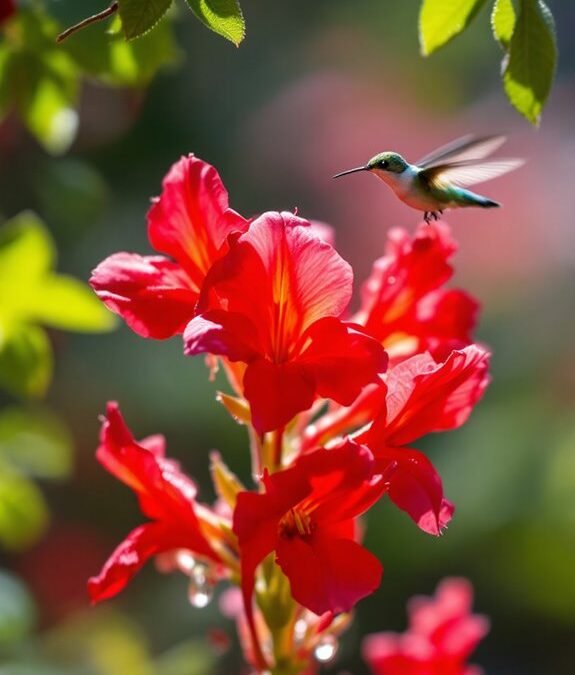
<point>385,166</point>
<point>389,162</point>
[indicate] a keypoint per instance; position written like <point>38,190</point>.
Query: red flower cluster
<point>332,424</point>
<point>442,635</point>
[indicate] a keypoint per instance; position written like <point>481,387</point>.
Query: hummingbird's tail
<point>463,197</point>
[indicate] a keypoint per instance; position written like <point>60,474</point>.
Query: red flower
<point>403,302</point>
<point>307,516</point>
<point>166,496</point>
<point>273,303</point>
<point>442,635</point>
<point>422,397</point>
<point>190,222</point>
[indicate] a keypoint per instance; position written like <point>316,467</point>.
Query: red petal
<point>416,488</point>
<point>342,359</point>
<point>401,305</point>
<point>341,420</point>
<point>191,220</point>
<point>393,654</point>
<point>283,278</point>
<point>129,557</point>
<point>446,619</point>
<point>165,493</point>
<point>277,392</point>
<point>446,321</point>
<point>223,333</point>
<point>328,574</point>
<point>342,483</point>
<point>153,295</point>
<point>425,397</point>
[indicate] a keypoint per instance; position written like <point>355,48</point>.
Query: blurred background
<point>315,88</point>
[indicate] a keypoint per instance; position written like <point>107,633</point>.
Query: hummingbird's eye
<point>383,164</point>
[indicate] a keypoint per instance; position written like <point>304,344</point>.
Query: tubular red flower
<point>403,302</point>
<point>307,516</point>
<point>274,302</point>
<point>441,637</point>
<point>190,222</point>
<point>422,397</point>
<point>166,496</point>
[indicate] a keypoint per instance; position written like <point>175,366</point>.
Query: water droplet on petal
<point>391,280</point>
<point>186,561</point>
<point>201,588</point>
<point>326,648</point>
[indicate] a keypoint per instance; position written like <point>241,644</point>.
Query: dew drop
<point>391,280</point>
<point>326,648</point>
<point>201,588</point>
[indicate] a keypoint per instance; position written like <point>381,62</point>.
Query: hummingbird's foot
<point>428,216</point>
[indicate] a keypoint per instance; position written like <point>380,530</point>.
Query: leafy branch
<point>224,17</point>
<point>526,32</point>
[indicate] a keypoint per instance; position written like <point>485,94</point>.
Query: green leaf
<point>25,361</point>
<point>441,20</point>
<point>503,21</point>
<point>17,611</point>
<point>35,442</point>
<point>23,512</point>
<point>139,16</point>
<point>224,17</point>
<point>108,57</point>
<point>26,255</point>
<point>30,292</point>
<point>530,67</point>
<point>66,303</point>
<point>26,252</point>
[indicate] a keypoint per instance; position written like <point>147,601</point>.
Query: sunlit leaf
<point>35,442</point>
<point>442,20</point>
<point>530,68</point>
<point>17,611</point>
<point>23,513</point>
<point>138,16</point>
<point>224,17</point>
<point>503,21</point>
<point>27,253</point>
<point>65,302</point>
<point>26,361</point>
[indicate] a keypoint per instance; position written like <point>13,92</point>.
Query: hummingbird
<point>437,181</point>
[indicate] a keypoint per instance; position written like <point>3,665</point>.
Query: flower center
<point>296,522</point>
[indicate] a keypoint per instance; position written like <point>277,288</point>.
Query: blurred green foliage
<point>41,80</point>
<point>32,294</point>
<point>261,115</point>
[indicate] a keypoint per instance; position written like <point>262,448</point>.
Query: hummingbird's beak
<point>344,173</point>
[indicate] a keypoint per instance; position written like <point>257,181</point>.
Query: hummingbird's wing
<point>468,173</point>
<point>465,149</point>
